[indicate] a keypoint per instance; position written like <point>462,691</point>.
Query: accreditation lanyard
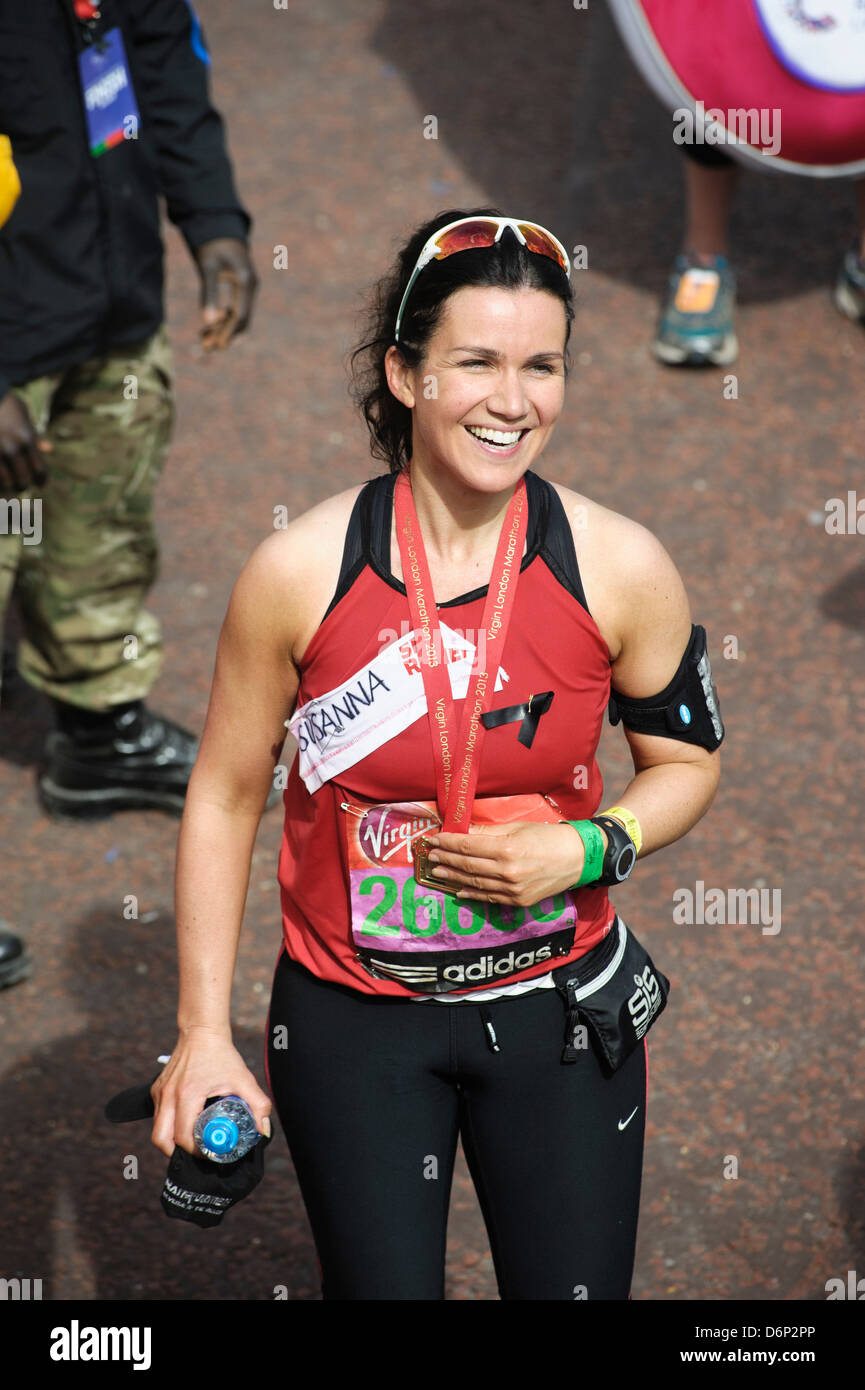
<point>457,758</point>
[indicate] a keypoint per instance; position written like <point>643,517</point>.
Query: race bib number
<point>430,940</point>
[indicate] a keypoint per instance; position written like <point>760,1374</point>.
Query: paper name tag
<point>334,731</point>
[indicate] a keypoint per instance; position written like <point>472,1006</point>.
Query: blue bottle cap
<point>220,1136</point>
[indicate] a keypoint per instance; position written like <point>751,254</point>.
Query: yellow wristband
<point>630,823</point>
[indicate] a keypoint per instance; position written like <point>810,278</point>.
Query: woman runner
<point>451,964</point>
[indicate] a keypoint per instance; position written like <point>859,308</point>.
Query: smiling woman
<point>445,656</point>
<point>408,304</point>
<point>497,400</point>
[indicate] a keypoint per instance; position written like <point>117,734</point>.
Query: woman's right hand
<point>204,1063</point>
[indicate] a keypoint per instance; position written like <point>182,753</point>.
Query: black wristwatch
<point>620,855</point>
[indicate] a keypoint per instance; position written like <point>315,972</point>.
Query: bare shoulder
<point>628,575</point>
<point>315,533</point>
<point>291,575</point>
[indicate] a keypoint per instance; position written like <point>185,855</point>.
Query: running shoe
<point>850,286</point>
<point>696,323</point>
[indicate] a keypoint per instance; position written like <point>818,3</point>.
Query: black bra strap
<point>367,539</point>
<point>380,517</point>
<point>356,548</point>
<point>558,549</point>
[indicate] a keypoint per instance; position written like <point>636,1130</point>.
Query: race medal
<point>423,869</point>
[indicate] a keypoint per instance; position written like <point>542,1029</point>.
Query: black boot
<point>14,961</point>
<point>122,759</point>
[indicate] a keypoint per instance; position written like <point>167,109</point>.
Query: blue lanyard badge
<point>109,100</point>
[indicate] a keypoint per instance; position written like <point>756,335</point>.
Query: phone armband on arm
<point>686,709</point>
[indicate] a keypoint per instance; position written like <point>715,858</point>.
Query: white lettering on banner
<point>336,730</point>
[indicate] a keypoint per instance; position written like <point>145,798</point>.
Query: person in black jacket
<point>105,107</point>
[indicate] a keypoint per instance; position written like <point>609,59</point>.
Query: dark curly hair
<point>507,264</point>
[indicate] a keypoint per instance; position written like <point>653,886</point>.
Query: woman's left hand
<point>519,864</point>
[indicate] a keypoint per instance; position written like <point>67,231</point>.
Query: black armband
<point>686,709</point>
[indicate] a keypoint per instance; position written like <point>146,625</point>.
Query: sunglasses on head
<point>470,232</point>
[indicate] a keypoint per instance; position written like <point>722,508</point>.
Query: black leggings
<point>372,1094</point>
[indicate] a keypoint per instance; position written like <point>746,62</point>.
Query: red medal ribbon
<point>456,781</point>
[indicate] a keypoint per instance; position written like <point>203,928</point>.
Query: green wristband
<point>593,843</point>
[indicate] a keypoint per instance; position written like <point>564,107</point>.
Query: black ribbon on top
<point>529,714</point>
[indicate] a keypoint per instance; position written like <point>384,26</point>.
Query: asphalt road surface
<point>755,1167</point>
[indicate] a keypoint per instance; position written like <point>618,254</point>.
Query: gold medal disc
<point>423,868</point>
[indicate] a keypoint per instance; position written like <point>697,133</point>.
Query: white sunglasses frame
<point>429,249</point>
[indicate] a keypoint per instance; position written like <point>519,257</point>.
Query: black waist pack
<point>615,993</point>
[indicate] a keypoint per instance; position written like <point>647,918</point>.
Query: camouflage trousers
<point>80,551</point>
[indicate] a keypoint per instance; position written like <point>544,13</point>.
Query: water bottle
<point>225,1130</point>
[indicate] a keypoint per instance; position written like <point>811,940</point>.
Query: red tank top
<point>553,645</point>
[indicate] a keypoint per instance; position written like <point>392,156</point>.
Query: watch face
<point>620,856</point>
<point>625,863</point>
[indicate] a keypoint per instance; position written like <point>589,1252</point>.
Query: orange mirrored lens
<point>539,242</point>
<point>480,232</point>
